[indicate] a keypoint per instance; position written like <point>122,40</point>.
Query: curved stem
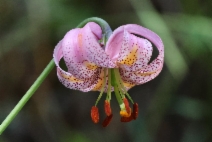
<point>106,31</point>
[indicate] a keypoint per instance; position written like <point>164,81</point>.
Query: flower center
<point>114,82</point>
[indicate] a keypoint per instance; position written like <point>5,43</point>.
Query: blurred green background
<point>174,107</point>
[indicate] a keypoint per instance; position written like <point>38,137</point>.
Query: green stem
<point>106,31</point>
<point>26,97</point>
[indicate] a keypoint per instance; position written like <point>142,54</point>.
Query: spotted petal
<point>133,53</point>
<point>83,53</point>
<point>69,80</point>
<point>94,52</point>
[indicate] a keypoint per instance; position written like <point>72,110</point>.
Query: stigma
<point>112,81</point>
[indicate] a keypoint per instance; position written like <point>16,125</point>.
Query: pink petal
<point>138,71</point>
<point>93,51</point>
<point>83,53</point>
<point>96,29</point>
<point>114,43</point>
<point>72,82</point>
<point>135,52</point>
<point>67,79</point>
<point>157,63</point>
<point>75,57</point>
<point>138,77</point>
<point>150,71</point>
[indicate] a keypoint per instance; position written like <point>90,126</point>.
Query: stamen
<point>118,97</point>
<point>118,82</point>
<point>121,85</point>
<point>124,113</point>
<point>95,114</point>
<point>127,106</point>
<point>121,92</point>
<point>103,87</point>
<point>128,96</point>
<point>108,111</point>
<point>107,120</point>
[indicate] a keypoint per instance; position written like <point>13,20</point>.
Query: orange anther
<point>108,111</point>
<point>124,113</point>
<point>95,114</point>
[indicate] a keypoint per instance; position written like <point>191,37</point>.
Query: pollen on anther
<point>124,113</point>
<point>95,114</point>
<point>107,108</point>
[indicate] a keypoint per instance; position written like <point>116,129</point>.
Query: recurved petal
<point>83,53</point>
<point>132,52</point>
<point>75,56</point>
<point>146,74</point>
<point>148,71</point>
<point>95,29</point>
<point>58,53</point>
<point>157,63</point>
<point>69,80</point>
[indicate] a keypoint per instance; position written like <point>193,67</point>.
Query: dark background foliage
<point>174,107</point>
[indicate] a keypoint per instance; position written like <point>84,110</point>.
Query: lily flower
<point>117,66</point>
